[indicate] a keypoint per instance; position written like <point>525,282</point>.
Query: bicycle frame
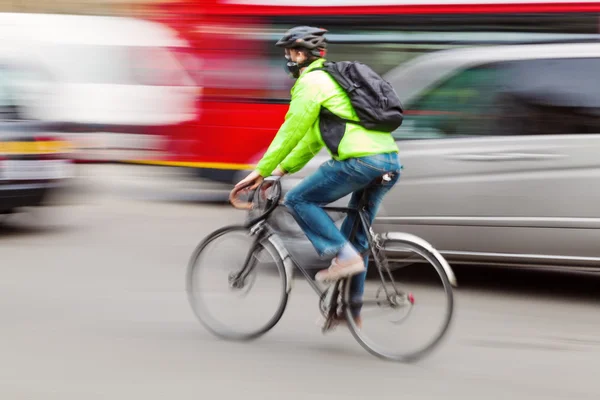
<point>260,227</point>
<point>278,244</point>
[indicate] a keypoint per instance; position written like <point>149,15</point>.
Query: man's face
<point>295,55</point>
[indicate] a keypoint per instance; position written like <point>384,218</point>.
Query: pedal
<point>326,325</point>
<point>330,296</point>
<point>331,306</point>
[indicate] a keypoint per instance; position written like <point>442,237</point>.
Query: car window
<point>525,97</point>
<point>550,97</point>
<point>31,88</point>
<point>8,106</point>
<point>5,96</point>
<point>381,57</point>
<point>235,66</point>
<point>462,105</point>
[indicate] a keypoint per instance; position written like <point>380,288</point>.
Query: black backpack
<point>374,99</point>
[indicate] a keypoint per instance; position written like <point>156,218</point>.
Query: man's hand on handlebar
<point>254,180</point>
<point>249,183</point>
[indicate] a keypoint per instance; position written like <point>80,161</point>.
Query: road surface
<point>93,306</point>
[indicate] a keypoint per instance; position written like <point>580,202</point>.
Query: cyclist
<point>359,157</point>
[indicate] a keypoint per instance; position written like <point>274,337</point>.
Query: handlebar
<point>269,190</point>
<point>236,202</point>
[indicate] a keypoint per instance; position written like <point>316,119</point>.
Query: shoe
<point>341,269</point>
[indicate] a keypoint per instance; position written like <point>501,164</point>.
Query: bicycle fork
<point>237,279</point>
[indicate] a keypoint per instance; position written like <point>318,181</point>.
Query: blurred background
<point>125,124</point>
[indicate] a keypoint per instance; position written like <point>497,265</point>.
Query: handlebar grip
<point>237,202</point>
<point>272,201</point>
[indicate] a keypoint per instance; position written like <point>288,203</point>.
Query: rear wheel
<point>236,286</point>
<point>407,309</point>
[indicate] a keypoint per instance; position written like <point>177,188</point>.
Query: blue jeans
<point>333,181</point>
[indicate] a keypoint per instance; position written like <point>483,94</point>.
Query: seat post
<point>361,205</point>
<point>364,199</point>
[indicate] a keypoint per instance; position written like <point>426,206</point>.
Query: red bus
<point>245,90</point>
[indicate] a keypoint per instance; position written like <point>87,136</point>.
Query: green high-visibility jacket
<point>305,131</point>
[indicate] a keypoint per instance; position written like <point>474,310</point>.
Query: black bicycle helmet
<point>307,37</point>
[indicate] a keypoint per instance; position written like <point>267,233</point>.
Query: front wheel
<point>406,309</point>
<point>236,285</point>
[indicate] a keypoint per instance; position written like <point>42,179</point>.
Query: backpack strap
<point>326,112</point>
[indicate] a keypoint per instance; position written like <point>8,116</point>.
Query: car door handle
<point>504,156</point>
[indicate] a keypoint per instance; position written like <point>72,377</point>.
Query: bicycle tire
<point>201,313</point>
<point>422,249</point>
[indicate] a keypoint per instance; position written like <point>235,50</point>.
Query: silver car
<point>501,155</point>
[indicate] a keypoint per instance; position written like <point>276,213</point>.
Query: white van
<point>109,70</point>
<point>110,74</point>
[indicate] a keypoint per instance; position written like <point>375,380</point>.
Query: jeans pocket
<point>380,162</point>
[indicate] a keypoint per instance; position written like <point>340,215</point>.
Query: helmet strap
<point>294,68</point>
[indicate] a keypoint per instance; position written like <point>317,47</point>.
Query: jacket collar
<point>315,64</point>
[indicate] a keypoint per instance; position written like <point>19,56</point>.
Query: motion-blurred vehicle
<point>115,77</point>
<point>243,103</point>
<point>35,159</point>
<point>500,147</point>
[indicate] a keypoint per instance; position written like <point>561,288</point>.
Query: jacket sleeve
<point>302,114</point>
<point>308,147</point>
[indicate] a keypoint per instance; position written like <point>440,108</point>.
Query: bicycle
<point>334,301</point>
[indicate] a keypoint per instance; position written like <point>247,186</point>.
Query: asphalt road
<point>92,305</point>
